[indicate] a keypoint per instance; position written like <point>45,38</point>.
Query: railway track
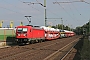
<point>37,51</point>
<point>70,52</point>
<point>62,52</point>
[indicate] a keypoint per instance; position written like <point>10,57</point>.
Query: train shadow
<point>10,41</point>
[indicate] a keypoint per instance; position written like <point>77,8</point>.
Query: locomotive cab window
<point>25,29</point>
<point>19,29</point>
<point>22,29</point>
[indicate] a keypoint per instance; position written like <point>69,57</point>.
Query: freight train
<point>32,34</point>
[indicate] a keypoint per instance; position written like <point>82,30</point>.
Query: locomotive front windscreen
<point>22,30</point>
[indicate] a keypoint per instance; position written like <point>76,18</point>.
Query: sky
<point>73,14</point>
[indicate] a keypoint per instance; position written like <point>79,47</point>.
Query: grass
<point>5,33</point>
<point>85,52</point>
<point>4,37</point>
<point>83,49</point>
<point>1,37</point>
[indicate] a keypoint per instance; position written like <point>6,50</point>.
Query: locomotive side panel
<point>38,33</point>
<point>29,33</point>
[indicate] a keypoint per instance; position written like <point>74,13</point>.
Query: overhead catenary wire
<point>11,10</point>
<point>71,2</point>
<point>50,10</point>
<point>84,1</point>
<point>47,9</point>
<point>15,6</point>
<point>29,4</point>
<point>77,10</point>
<point>72,17</point>
<point>34,7</point>
<point>65,10</point>
<point>56,14</point>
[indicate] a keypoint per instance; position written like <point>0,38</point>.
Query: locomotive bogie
<point>30,41</point>
<point>20,41</point>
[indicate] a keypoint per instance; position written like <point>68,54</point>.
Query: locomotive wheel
<point>43,40</point>
<point>32,42</point>
<point>40,40</point>
<point>37,41</point>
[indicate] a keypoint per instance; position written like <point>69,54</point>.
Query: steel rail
<point>56,52</point>
<point>68,52</point>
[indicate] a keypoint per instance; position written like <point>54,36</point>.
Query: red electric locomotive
<point>29,34</point>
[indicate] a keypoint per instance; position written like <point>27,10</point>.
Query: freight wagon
<point>69,33</point>
<point>51,33</point>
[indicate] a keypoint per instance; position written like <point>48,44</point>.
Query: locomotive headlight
<point>18,34</point>
<point>25,34</point>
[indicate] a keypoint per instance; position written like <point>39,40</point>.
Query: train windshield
<point>22,29</point>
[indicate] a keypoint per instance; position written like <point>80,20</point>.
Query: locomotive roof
<point>34,27</point>
<point>30,25</point>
